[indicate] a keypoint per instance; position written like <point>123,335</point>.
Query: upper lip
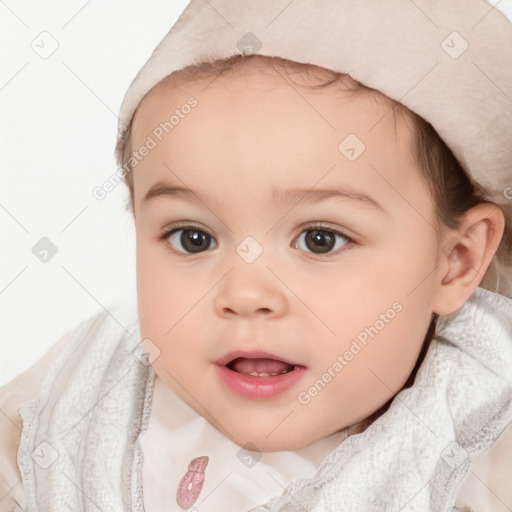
<point>224,360</point>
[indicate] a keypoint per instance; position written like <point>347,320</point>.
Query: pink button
<point>191,484</point>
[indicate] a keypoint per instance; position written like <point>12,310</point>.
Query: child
<point>321,195</point>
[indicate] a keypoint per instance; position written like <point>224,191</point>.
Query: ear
<point>465,256</point>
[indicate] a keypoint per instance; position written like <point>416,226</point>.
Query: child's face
<point>351,315</point>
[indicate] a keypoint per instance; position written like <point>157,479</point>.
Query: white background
<point>58,128</point>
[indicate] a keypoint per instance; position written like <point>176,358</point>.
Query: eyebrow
<point>284,197</point>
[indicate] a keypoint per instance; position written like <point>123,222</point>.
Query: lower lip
<point>259,388</point>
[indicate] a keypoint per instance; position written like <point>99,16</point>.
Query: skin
<point>252,132</point>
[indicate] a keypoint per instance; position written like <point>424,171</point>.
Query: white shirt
<point>243,478</point>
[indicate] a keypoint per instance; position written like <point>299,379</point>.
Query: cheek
<point>353,294</point>
<point>379,312</point>
<point>389,311</point>
<point>166,294</point>
<point>376,362</point>
<point>402,264</point>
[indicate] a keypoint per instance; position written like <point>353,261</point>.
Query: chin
<point>283,442</point>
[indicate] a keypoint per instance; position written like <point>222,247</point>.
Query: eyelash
<point>313,227</point>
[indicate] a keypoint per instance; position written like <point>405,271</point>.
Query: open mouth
<point>260,376</point>
<point>260,367</point>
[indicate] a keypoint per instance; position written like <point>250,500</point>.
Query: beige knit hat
<point>449,61</point>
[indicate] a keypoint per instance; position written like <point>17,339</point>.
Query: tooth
<point>264,374</point>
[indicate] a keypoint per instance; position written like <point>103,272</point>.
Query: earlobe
<point>467,255</point>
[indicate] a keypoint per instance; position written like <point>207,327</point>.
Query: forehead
<point>258,121</point>
<point>259,80</point>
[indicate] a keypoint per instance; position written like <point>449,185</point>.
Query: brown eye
<point>192,240</point>
<point>321,240</point>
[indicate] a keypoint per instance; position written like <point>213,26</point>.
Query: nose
<point>250,290</point>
